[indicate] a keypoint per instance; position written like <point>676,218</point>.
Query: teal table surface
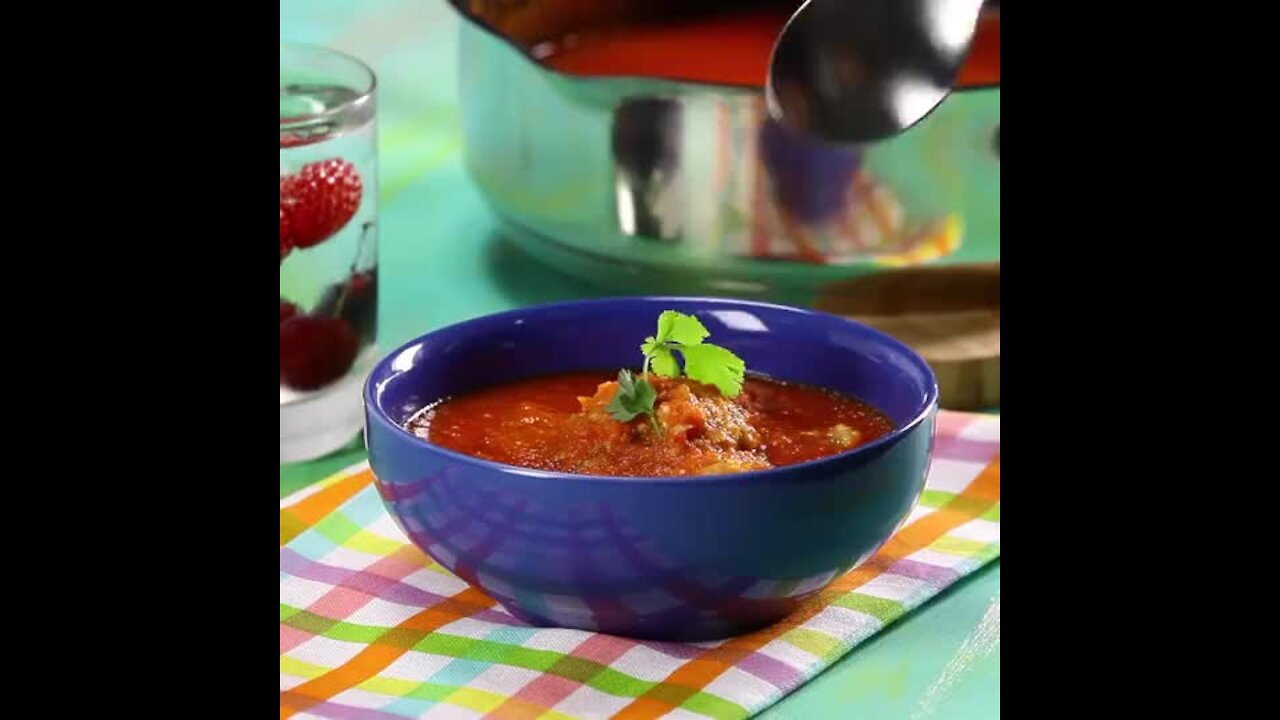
<point>442,260</point>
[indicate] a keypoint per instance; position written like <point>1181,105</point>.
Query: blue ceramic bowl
<point>663,558</point>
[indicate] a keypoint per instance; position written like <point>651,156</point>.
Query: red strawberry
<point>315,351</point>
<point>286,243</point>
<point>287,310</point>
<point>286,239</point>
<point>318,201</point>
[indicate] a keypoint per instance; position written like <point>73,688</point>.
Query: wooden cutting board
<point>950,315</point>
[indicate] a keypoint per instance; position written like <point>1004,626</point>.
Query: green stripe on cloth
<point>882,609</point>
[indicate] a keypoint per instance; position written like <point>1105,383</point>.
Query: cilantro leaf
<point>650,346</point>
<point>623,405</point>
<point>674,329</point>
<point>664,363</point>
<point>657,355</point>
<point>714,365</point>
<point>680,328</point>
<point>703,362</point>
<point>633,398</point>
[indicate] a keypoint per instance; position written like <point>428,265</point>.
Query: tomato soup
<point>561,423</point>
<point>731,47</point>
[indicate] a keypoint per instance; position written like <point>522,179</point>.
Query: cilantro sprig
<point>634,397</point>
<point>703,361</point>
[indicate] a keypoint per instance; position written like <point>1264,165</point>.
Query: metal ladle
<point>858,71</point>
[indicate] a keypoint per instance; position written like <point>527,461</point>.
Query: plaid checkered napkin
<point>370,627</point>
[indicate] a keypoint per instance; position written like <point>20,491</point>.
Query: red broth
<point>726,48</point>
<point>560,423</point>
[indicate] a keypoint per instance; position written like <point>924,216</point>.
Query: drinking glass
<point>328,247</point>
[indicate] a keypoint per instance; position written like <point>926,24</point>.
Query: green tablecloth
<point>442,260</point>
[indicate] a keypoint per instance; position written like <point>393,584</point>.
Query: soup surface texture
<point>561,423</point>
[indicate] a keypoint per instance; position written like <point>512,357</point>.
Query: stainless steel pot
<point>655,185</point>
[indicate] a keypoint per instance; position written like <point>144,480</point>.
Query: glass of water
<point>328,247</point>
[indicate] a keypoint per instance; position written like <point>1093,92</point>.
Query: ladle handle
<point>982,68</point>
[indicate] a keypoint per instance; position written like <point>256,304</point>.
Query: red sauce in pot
<point>730,48</point>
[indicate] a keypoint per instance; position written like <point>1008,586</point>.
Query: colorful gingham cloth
<point>370,627</point>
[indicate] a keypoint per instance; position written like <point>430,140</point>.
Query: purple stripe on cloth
<point>338,711</point>
<point>774,672</point>
<point>931,574</point>
<point>957,448</point>
<point>375,585</point>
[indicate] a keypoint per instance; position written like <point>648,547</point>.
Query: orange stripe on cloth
<point>382,652</point>
<point>693,676</point>
<point>297,518</point>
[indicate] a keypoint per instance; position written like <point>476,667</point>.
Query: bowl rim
<point>375,412</point>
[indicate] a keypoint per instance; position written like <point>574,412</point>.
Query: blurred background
<point>446,255</point>
<point>539,150</point>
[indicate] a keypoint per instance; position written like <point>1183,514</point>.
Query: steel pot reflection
<point>657,185</point>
